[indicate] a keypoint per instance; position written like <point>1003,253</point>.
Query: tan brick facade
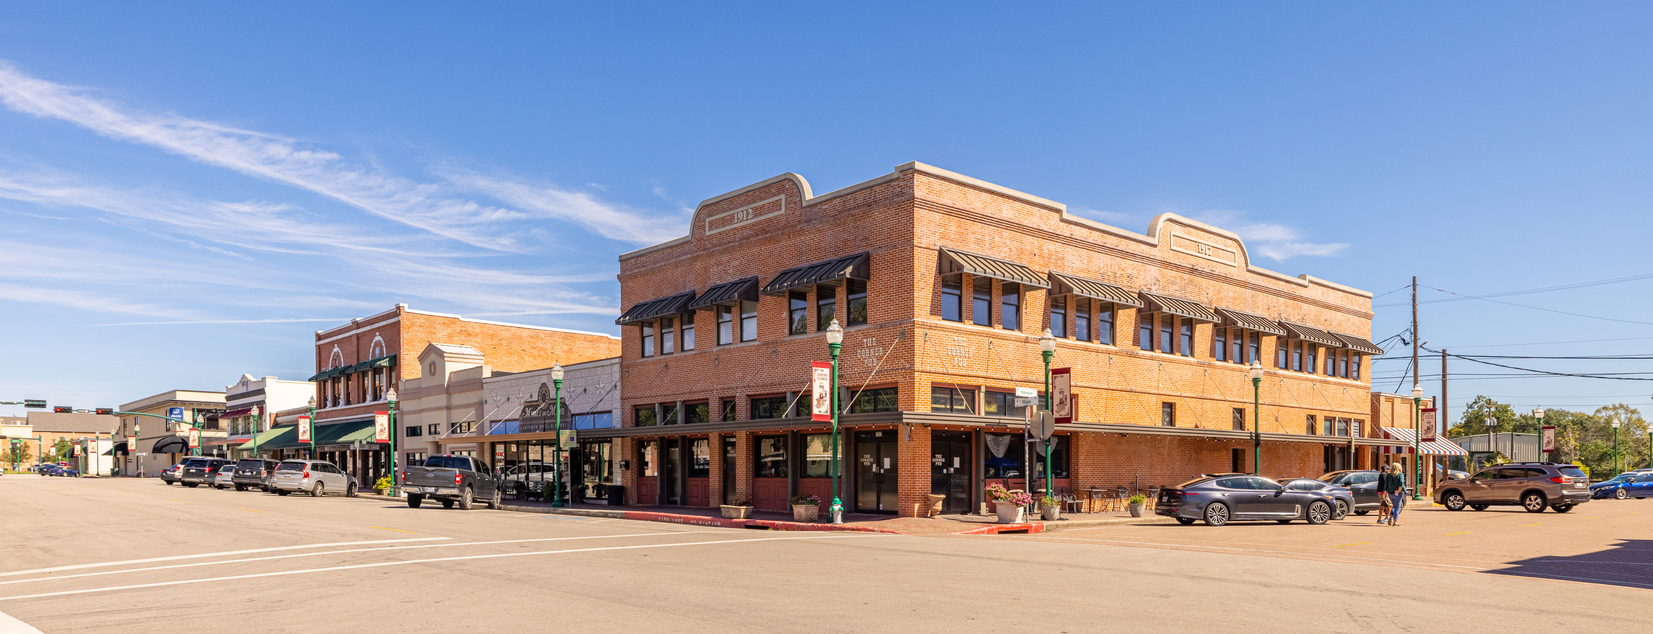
<point>904,220</point>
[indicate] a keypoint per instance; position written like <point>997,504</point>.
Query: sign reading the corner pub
<point>745,215</point>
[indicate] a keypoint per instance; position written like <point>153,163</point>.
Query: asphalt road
<point>136,556</point>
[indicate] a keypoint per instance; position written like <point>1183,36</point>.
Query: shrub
<point>1137,499</point>
<point>382,484</point>
<point>810,500</point>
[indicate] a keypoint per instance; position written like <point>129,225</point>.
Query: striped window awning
<point>1357,343</point>
<point>743,290</point>
<point>1064,284</point>
<point>1312,334</point>
<point>831,272</point>
<point>1249,321</point>
<point>1437,447</point>
<point>1178,306</point>
<point>955,261</point>
<point>654,308</point>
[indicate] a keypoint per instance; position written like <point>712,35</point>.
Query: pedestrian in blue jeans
<point>1392,486</point>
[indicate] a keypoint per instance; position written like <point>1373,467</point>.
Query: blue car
<point>1624,486</point>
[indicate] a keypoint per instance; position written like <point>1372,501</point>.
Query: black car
<point>1219,499</point>
<point>199,471</point>
<point>253,473</point>
<point>1360,482</point>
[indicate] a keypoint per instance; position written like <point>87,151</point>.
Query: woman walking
<point>1392,487</point>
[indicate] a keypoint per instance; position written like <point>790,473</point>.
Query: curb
<point>675,518</point>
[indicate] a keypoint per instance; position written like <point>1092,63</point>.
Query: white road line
<point>1271,552</point>
<point>329,552</point>
<point>219,554</point>
<point>426,561</point>
<point>10,625</point>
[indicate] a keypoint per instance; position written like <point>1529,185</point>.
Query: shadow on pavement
<point>1628,564</point>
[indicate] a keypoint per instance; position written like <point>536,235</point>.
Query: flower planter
<point>734,512</point>
<point>1009,512</point>
<point>805,512</point>
<point>1136,510</point>
<point>1051,513</point>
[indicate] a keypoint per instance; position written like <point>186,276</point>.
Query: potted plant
<point>805,508</point>
<point>741,510</point>
<point>1050,508</point>
<point>1135,502</point>
<point>382,485</point>
<point>1008,504</point>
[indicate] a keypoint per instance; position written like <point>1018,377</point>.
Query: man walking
<point>1393,489</point>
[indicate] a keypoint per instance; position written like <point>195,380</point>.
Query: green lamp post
<point>1617,466</point>
<point>1047,349</point>
<point>390,398</point>
<point>835,344</point>
<point>1417,435</point>
<point>258,428</point>
<point>311,432</point>
<point>1256,374</point>
<point>556,424</point>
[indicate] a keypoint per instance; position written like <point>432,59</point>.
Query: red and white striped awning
<point>1438,446</point>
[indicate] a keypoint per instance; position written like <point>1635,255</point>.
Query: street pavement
<point>134,556</point>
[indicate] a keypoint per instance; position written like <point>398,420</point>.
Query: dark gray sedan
<point>1219,499</point>
<point>1344,498</point>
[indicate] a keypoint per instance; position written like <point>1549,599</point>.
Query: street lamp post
<point>1047,349</point>
<point>1491,423</point>
<point>257,429</point>
<point>390,397</point>
<point>1417,436</point>
<point>1256,374</point>
<point>311,432</point>
<point>1617,468</point>
<point>835,344</point>
<point>556,424</point>
<point>1538,413</point>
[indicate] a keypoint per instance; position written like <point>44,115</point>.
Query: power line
<point>1601,357</point>
<point>1549,343</point>
<point>1609,376</point>
<point>1547,289</point>
<point>1547,310</point>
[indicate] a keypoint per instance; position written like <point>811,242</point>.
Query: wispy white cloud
<point>549,202</point>
<point>227,321</point>
<point>1273,240</point>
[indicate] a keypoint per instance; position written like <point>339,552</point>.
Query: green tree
<point>60,449</point>
<point>1586,438</point>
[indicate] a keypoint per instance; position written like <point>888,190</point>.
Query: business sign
<point>1061,395</point>
<point>820,405</point>
<point>1549,438</point>
<point>194,438</point>
<point>567,439</point>
<point>175,413</point>
<point>304,429</point>
<point>1427,430</point>
<point>381,426</point>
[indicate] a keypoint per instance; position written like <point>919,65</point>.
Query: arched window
<point>377,349</point>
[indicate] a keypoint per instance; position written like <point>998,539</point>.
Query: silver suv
<point>316,477</point>
<point>1531,485</point>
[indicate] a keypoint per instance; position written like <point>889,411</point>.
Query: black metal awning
<point>653,308</point>
<point>831,272</point>
<point>955,261</point>
<point>171,444</point>
<point>1357,343</point>
<point>745,290</point>
<point>1249,321</point>
<point>1177,306</point>
<point>1064,284</point>
<point>1310,333</point>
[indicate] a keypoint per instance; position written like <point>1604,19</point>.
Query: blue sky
<point>188,191</point>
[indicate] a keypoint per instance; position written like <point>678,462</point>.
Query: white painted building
<point>269,395</point>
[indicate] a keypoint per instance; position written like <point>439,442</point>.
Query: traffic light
<point>105,411</point>
<point>63,409</point>
<point>34,403</point>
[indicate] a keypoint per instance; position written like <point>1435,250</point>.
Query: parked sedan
<point>1344,498</point>
<point>1219,499</point>
<point>169,475</point>
<point>1624,486</point>
<point>1362,484</point>
<point>315,477</point>
<point>221,478</point>
<point>253,472</point>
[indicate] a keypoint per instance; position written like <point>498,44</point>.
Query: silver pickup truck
<point>452,480</point>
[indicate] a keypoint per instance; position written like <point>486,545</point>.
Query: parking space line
<point>222,554</point>
<point>394,529</point>
<point>1457,533</point>
<point>1354,544</point>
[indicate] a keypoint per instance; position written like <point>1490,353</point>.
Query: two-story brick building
<point>944,285</point>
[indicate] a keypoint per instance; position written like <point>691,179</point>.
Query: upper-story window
<point>748,321</point>
<point>1082,318</point>
<point>648,340</point>
<point>1331,361</point>
<point>1167,334</point>
<point>1104,323</point>
<point>668,336</point>
<point>1309,352</point>
<point>1219,343</point>
<point>1059,317</point>
<point>1145,332</point>
<point>1254,346</point>
<point>856,297</point>
<point>952,299</point>
<point>725,325</point>
<point>688,331</point>
<point>1282,352</point>
<point>826,307</point>
<point>1354,367</point>
<point>1296,356</point>
<point>797,313</point>
<point>1010,306</point>
<point>981,301</point>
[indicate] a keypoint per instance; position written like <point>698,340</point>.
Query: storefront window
<point>1004,455</point>
<point>668,414</point>
<point>700,458</point>
<point>817,456</point>
<point>696,413</point>
<point>952,399</point>
<point>645,458</point>
<point>596,467</point>
<point>856,290</point>
<point>768,407</point>
<point>771,457</point>
<point>879,400</point>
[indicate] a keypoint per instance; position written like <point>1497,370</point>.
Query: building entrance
<point>670,471</point>
<point>729,470</point>
<point>950,469</point>
<point>876,469</point>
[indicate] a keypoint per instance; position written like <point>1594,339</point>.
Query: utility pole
<point>1440,408</point>
<point>1417,456</point>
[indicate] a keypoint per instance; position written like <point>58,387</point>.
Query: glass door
<point>950,467</point>
<point>876,469</point>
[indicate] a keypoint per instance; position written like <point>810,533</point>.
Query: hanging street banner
<point>1061,395</point>
<point>131,444</point>
<point>304,429</point>
<point>381,426</point>
<point>1428,424</point>
<point>820,405</point>
<point>194,438</point>
<point>1549,438</point>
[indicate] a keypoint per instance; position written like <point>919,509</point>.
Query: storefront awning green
<point>270,438</point>
<point>345,433</point>
<point>387,361</point>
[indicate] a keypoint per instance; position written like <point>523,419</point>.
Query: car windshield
<point>291,466</point>
<point>1332,477</point>
<point>1572,472</point>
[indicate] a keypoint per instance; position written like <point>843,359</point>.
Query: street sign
<point>304,429</point>
<point>567,439</point>
<point>1026,401</point>
<point>1428,431</point>
<point>820,404</point>
<point>1061,396</point>
<point>1026,392</point>
<point>194,439</point>
<point>1549,438</point>
<point>175,413</point>
<point>1044,424</point>
<point>34,403</point>
<point>381,426</point>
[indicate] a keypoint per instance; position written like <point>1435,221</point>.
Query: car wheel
<point>1185,520</point>
<point>1478,507</point>
<point>1342,510</point>
<point>1362,511</point>
<point>1533,502</point>
<point>465,499</point>
<point>1283,521</point>
<point>192,484</point>
<point>318,490</point>
<point>168,482</point>
<point>1562,508</point>
<point>1319,512</point>
<point>1454,501</point>
<point>350,490</point>
<point>498,502</point>
<point>415,500</point>
<point>1216,514</point>
<point>282,492</point>
<point>447,504</point>
<point>1620,494</point>
<point>240,487</point>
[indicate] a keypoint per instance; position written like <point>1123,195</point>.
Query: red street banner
<point>131,445</point>
<point>1549,438</point>
<point>820,405</point>
<point>194,439</point>
<point>304,429</point>
<point>1428,430</point>
<point>1061,395</point>
<point>381,426</point>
